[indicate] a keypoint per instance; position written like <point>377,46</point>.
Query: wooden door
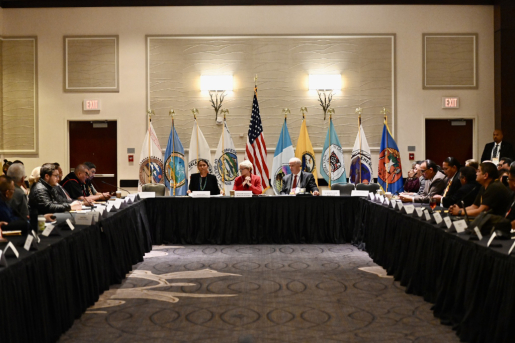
<point>449,138</point>
<point>95,142</point>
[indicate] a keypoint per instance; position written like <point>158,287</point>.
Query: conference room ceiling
<point>129,3</point>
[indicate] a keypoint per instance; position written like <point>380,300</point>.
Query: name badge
<point>409,209</point>
<point>200,194</point>
<point>243,194</point>
<point>331,193</point>
<point>460,225</point>
<point>438,217</point>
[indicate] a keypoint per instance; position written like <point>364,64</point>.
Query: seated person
<point>9,219</point>
<point>75,184</point>
<point>203,181</point>
<point>6,166</point>
<point>41,196</point>
<point>450,167</point>
<point>510,214</point>
<point>292,183</point>
<point>412,183</point>
<point>492,195</point>
<point>90,189</point>
<point>504,164</point>
<point>469,188</point>
<point>421,182</point>
<point>59,192</point>
<point>34,176</point>
<point>247,181</point>
<point>18,202</point>
<point>435,183</point>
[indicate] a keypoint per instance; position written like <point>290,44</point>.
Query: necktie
<point>494,153</point>
<point>294,183</point>
<point>447,188</point>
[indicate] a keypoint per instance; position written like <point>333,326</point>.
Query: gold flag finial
<point>303,110</point>
<point>359,111</point>
<point>172,113</point>
<point>224,111</point>
<point>331,112</point>
<point>286,111</point>
<point>195,112</point>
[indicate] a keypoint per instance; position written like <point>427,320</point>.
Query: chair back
<point>371,187</point>
<point>345,189</point>
<point>158,188</point>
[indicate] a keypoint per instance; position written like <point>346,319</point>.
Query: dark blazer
<point>467,193</point>
<point>211,183</point>
<point>506,151</point>
<point>306,181</point>
<point>449,199</point>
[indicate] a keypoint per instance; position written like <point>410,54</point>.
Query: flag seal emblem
<point>229,159</point>
<point>308,162</point>
<point>389,165</point>
<point>179,174</point>
<point>156,165</point>
<point>337,166</point>
<point>277,181</point>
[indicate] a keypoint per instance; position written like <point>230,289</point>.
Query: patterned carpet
<point>258,293</point>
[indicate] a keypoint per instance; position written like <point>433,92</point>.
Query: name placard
<point>371,196</point>
<point>356,193</point>
<point>393,204</point>
<point>419,212</point>
<point>460,225</point>
<point>409,209</point>
<point>70,225</point>
<point>3,261</point>
<point>201,194</point>
<point>428,216</point>
<point>10,245</point>
<point>48,230</point>
<point>438,217</point>
<point>400,206</point>
<point>144,195</point>
<point>511,249</point>
<point>448,222</point>
<point>491,238</point>
<point>243,194</point>
<point>28,242</point>
<point>331,193</point>
<point>480,236</point>
<point>386,202</point>
<point>83,219</point>
<point>36,236</point>
<point>381,199</point>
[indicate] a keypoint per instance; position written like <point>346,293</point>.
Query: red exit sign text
<point>450,102</point>
<point>91,105</point>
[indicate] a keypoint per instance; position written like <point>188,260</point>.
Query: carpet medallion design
<point>259,293</point>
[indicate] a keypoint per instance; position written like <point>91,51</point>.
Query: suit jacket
<point>506,151</point>
<point>432,187</point>
<point>449,199</point>
<point>211,183</point>
<point>19,202</point>
<point>306,181</point>
<point>255,184</point>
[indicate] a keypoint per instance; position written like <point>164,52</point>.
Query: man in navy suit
<point>292,183</point>
<point>498,148</point>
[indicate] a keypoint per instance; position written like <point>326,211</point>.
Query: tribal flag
<point>226,161</point>
<point>255,151</point>
<point>199,150</point>
<point>390,169</point>
<point>361,162</point>
<point>332,158</point>
<point>305,152</point>
<point>150,160</point>
<point>175,169</point>
<point>282,155</point>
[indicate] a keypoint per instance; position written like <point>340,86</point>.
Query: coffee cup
<point>118,194</point>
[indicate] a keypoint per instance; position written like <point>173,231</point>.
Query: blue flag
<point>175,169</point>
<point>280,165</point>
<point>390,169</point>
<point>332,158</point>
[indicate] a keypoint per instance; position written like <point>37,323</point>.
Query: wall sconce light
<point>325,85</point>
<point>216,85</point>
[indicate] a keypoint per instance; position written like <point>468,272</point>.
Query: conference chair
<point>157,188</point>
<point>371,187</point>
<point>345,189</point>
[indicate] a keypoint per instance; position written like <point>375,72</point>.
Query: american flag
<point>256,147</point>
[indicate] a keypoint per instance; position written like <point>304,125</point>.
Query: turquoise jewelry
<point>200,184</point>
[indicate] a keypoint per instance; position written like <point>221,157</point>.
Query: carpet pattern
<point>258,293</point>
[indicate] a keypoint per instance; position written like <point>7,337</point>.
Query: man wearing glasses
<point>435,183</point>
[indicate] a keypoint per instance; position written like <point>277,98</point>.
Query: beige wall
<point>132,24</point>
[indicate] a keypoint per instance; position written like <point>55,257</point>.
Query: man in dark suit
<point>498,148</point>
<point>450,167</point>
<point>292,183</point>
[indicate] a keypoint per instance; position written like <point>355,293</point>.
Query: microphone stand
<point>115,186</point>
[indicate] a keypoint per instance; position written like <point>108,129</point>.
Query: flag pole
<point>150,112</point>
<point>224,112</point>
<point>358,111</point>
<point>195,112</point>
<point>172,114</point>
<point>330,111</point>
<point>386,151</point>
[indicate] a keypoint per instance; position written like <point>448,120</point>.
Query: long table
<point>470,285</point>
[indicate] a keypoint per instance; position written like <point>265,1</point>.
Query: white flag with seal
<point>226,161</point>
<point>150,160</point>
<point>199,150</point>
<point>361,160</point>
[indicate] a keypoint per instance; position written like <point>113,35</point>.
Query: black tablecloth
<point>256,220</point>
<point>44,291</point>
<point>472,286</point>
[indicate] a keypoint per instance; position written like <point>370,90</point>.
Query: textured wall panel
<point>450,61</point>
<point>91,63</point>
<point>19,107</point>
<point>282,64</point>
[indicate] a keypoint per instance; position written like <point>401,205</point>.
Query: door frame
<point>67,144</point>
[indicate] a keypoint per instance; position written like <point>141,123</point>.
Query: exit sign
<point>451,102</point>
<point>91,105</point>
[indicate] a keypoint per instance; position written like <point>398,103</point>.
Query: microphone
<point>464,210</point>
<point>90,204</point>
<point>115,186</point>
